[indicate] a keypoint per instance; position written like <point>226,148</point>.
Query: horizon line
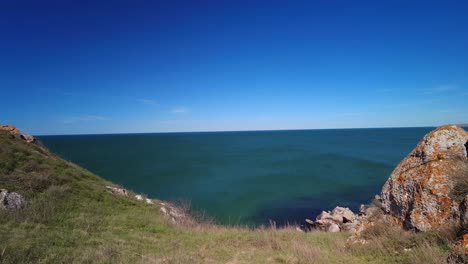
<point>246,130</point>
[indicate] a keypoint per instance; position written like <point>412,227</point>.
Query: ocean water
<point>247,177</point>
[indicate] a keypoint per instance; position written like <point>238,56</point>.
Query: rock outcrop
<point>417,192</point>
<point>15,131</point>
<point>11,200</point>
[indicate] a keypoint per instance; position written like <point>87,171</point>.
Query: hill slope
<point>71,216</point>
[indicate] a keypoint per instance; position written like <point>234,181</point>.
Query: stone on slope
<point>11,200</point>
<point>117,190</point>
<point>28,138</point>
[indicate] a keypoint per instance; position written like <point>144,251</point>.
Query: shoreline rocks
<point>340,219</point>
<point>418,193</point>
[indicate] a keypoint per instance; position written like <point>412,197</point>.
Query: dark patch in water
<point>293,212</point>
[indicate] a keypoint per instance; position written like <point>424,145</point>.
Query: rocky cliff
<point>10,128</point>
<point>15,131</point>
<point>427,190</point>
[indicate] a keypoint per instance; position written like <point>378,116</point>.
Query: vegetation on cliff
<point>70,216</point>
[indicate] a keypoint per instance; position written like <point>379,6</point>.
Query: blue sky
<point>73,67</point>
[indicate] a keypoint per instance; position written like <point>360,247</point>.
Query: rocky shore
<point>420,194</point>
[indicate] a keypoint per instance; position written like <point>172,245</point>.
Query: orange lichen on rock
<point>463,243</point>
<point>417,192</point>
<point>10,128</point>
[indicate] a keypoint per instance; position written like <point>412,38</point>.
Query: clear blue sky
<point>72,67</point>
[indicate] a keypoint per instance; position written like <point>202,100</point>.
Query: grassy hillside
<point>71,217</point>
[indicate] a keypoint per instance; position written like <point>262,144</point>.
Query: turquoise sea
<point>247,177</point>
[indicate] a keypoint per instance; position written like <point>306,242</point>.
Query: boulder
<point>11,200</point>
<point>417,192</point>
<point>344,215</point>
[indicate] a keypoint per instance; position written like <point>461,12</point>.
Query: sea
<point>251,177</point>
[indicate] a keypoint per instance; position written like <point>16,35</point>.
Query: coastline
<point>77,216</point>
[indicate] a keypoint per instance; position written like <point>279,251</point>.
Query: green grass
<point>70,217</point>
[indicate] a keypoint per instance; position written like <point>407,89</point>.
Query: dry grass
<point>391,243</point>
<point>458,255</point>
<point>194,218</point>
<point>460,178</point>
